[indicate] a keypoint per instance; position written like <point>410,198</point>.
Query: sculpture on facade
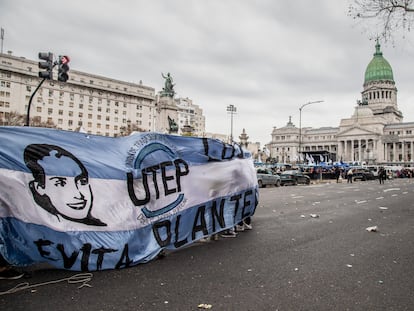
<point>173,127</point>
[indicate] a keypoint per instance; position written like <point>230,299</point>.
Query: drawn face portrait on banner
<point>61,183</point>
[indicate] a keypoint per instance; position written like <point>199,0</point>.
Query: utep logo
<point>160,171</point>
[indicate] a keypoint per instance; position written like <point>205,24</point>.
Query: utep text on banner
<point>85,202</point>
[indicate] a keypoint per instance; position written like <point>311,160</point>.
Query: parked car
<point>266,177</point>
<point>363,174</point>
<point>294,177</point>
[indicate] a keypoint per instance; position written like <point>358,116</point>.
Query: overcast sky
<point>266,57</point>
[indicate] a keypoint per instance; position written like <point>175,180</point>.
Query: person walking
<point>349,175</point>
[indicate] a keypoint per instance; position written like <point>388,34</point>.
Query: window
<point>80,114</point>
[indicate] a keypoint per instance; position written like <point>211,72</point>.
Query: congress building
<point>374,134</point>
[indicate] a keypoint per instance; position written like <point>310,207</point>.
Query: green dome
<point>378,68</point>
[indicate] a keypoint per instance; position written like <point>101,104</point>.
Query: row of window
<point>91,99</point>
<point>70,113</point>
<point>288,137</point>
<point>90,124</point>
<point>407,132</point>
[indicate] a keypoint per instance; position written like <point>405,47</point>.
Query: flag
<point>85,202</point>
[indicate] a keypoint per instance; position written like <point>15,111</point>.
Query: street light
<point>300,124</point>
<point>231,109</point>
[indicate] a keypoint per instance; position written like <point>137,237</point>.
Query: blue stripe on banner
<point>24,243</point>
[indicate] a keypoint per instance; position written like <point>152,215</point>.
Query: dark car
<point>363,174</point>
<point>293,177</point>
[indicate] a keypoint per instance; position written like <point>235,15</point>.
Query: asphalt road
<point>309,250</point>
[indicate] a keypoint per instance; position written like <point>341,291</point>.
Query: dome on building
<point>378,68</point>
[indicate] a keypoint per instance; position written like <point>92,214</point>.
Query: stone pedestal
<point>167,111</point>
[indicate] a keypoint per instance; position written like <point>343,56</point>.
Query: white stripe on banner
<point>85,202</point>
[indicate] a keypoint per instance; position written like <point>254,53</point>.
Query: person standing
<point>349,175</point>
<point>337,173</point>
<point>382,175</point>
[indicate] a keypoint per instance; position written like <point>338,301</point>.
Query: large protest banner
<point>84,202</point>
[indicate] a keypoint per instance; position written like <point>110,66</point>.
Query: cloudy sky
<point>266,57</point>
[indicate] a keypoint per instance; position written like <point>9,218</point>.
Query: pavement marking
<point>391,189</point>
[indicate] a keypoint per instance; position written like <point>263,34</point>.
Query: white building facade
<point>374,134</point>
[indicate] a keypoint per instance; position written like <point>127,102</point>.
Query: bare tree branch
<point>390,16</point>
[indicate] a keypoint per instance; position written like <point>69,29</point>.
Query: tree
<point>15,119</point>
<point>389,16</point>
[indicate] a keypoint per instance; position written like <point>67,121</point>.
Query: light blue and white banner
<point>86,203</point>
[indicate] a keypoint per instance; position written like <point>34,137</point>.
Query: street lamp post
<point>231,109</point>
<point>300,124</point>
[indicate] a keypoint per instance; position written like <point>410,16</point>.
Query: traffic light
<point>63,68</point>
<point>47,64</point>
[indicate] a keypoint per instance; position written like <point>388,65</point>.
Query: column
<point>346,150</point>
<point>339,151</point>
<point>403,151</point>
<point>394,152</point>
<point>359,150</point>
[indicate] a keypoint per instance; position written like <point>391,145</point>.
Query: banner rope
<point>83,278</point>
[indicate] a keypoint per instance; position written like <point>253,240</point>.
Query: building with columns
<point>374,134</point>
